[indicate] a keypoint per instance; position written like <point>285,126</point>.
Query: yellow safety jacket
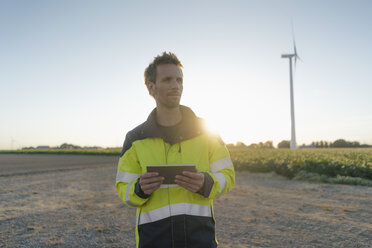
<point>173,216</point>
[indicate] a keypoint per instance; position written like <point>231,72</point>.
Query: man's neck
<point>168,116</point>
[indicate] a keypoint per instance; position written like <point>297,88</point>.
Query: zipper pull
<point>179,147</point>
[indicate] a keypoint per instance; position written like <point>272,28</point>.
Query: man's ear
<point>150,87</point>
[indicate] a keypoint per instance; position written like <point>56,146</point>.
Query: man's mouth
<point>174,94</point>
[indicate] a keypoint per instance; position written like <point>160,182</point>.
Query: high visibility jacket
<point>173,216</point>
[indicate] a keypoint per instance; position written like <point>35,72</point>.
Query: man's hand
<point>192,181</point>
<point>150,181</point>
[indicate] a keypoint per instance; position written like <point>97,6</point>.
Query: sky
<point>72,71</point>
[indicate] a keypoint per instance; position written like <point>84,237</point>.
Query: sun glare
<point>210,128</point>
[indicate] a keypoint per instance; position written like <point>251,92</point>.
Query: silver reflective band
<point>137,220</point>
<point>220,164</point>
<point>127,196</point>
<point>222,181</point>
<point>165,186</point>
<point>175,209</point>
<point>126,177</point>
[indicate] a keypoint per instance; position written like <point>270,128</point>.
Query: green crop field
<point>331,165</point>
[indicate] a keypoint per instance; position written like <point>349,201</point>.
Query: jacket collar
<point>189,127</point>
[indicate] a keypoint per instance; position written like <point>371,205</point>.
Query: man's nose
<point>175,84</point>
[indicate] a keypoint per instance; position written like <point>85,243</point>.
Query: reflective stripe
<point>127,196</point>
<point>126,177</point>
<point>220,164</point>
<point>164,186</point>
<point>137,220</point>
<point>222,181</point>
<point>175,209</point>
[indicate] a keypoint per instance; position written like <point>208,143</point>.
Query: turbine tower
<point>290,56</point>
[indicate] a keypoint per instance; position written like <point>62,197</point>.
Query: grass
<point>315,177</point>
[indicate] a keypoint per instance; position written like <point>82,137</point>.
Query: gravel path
<point>76,206</point>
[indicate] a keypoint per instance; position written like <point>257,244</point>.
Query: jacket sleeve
<point>221,177</point>
<point>127,177</point>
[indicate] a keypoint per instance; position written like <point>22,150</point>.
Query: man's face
<point>168,88</point>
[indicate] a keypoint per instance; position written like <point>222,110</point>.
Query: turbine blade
<point>294,45</point>
<point>295,62</point>
<point>294,39</point>
<point>298,57</point>
<point>294,48</point>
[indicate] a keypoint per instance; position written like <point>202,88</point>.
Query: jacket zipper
<point>170,211</point>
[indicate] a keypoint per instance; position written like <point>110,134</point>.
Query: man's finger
<point>153,186</point>
<point>184,179</point>
<point>189,183</point>
<point>195,175</point>
<point>149,174</point>
<point>189,186</point>
<point>151,180</point>
<point>190,180</point>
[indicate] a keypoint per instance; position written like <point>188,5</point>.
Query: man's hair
<point>165,58</point>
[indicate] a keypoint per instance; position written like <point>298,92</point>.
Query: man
<point>181,214</point>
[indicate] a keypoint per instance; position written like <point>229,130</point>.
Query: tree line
<point>63,146</point>
<point>239,144</point>
<point>340,143</point>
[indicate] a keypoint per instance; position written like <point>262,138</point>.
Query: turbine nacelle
<point>289,55</point>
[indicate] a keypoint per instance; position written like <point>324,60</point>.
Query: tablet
<point>169,171</point>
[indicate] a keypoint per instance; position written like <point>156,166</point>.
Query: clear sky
<point>72,71</point>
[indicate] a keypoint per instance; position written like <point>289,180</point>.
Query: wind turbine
<point>290,56</point>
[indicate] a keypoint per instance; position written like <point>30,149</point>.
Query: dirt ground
<point>71,201</point>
